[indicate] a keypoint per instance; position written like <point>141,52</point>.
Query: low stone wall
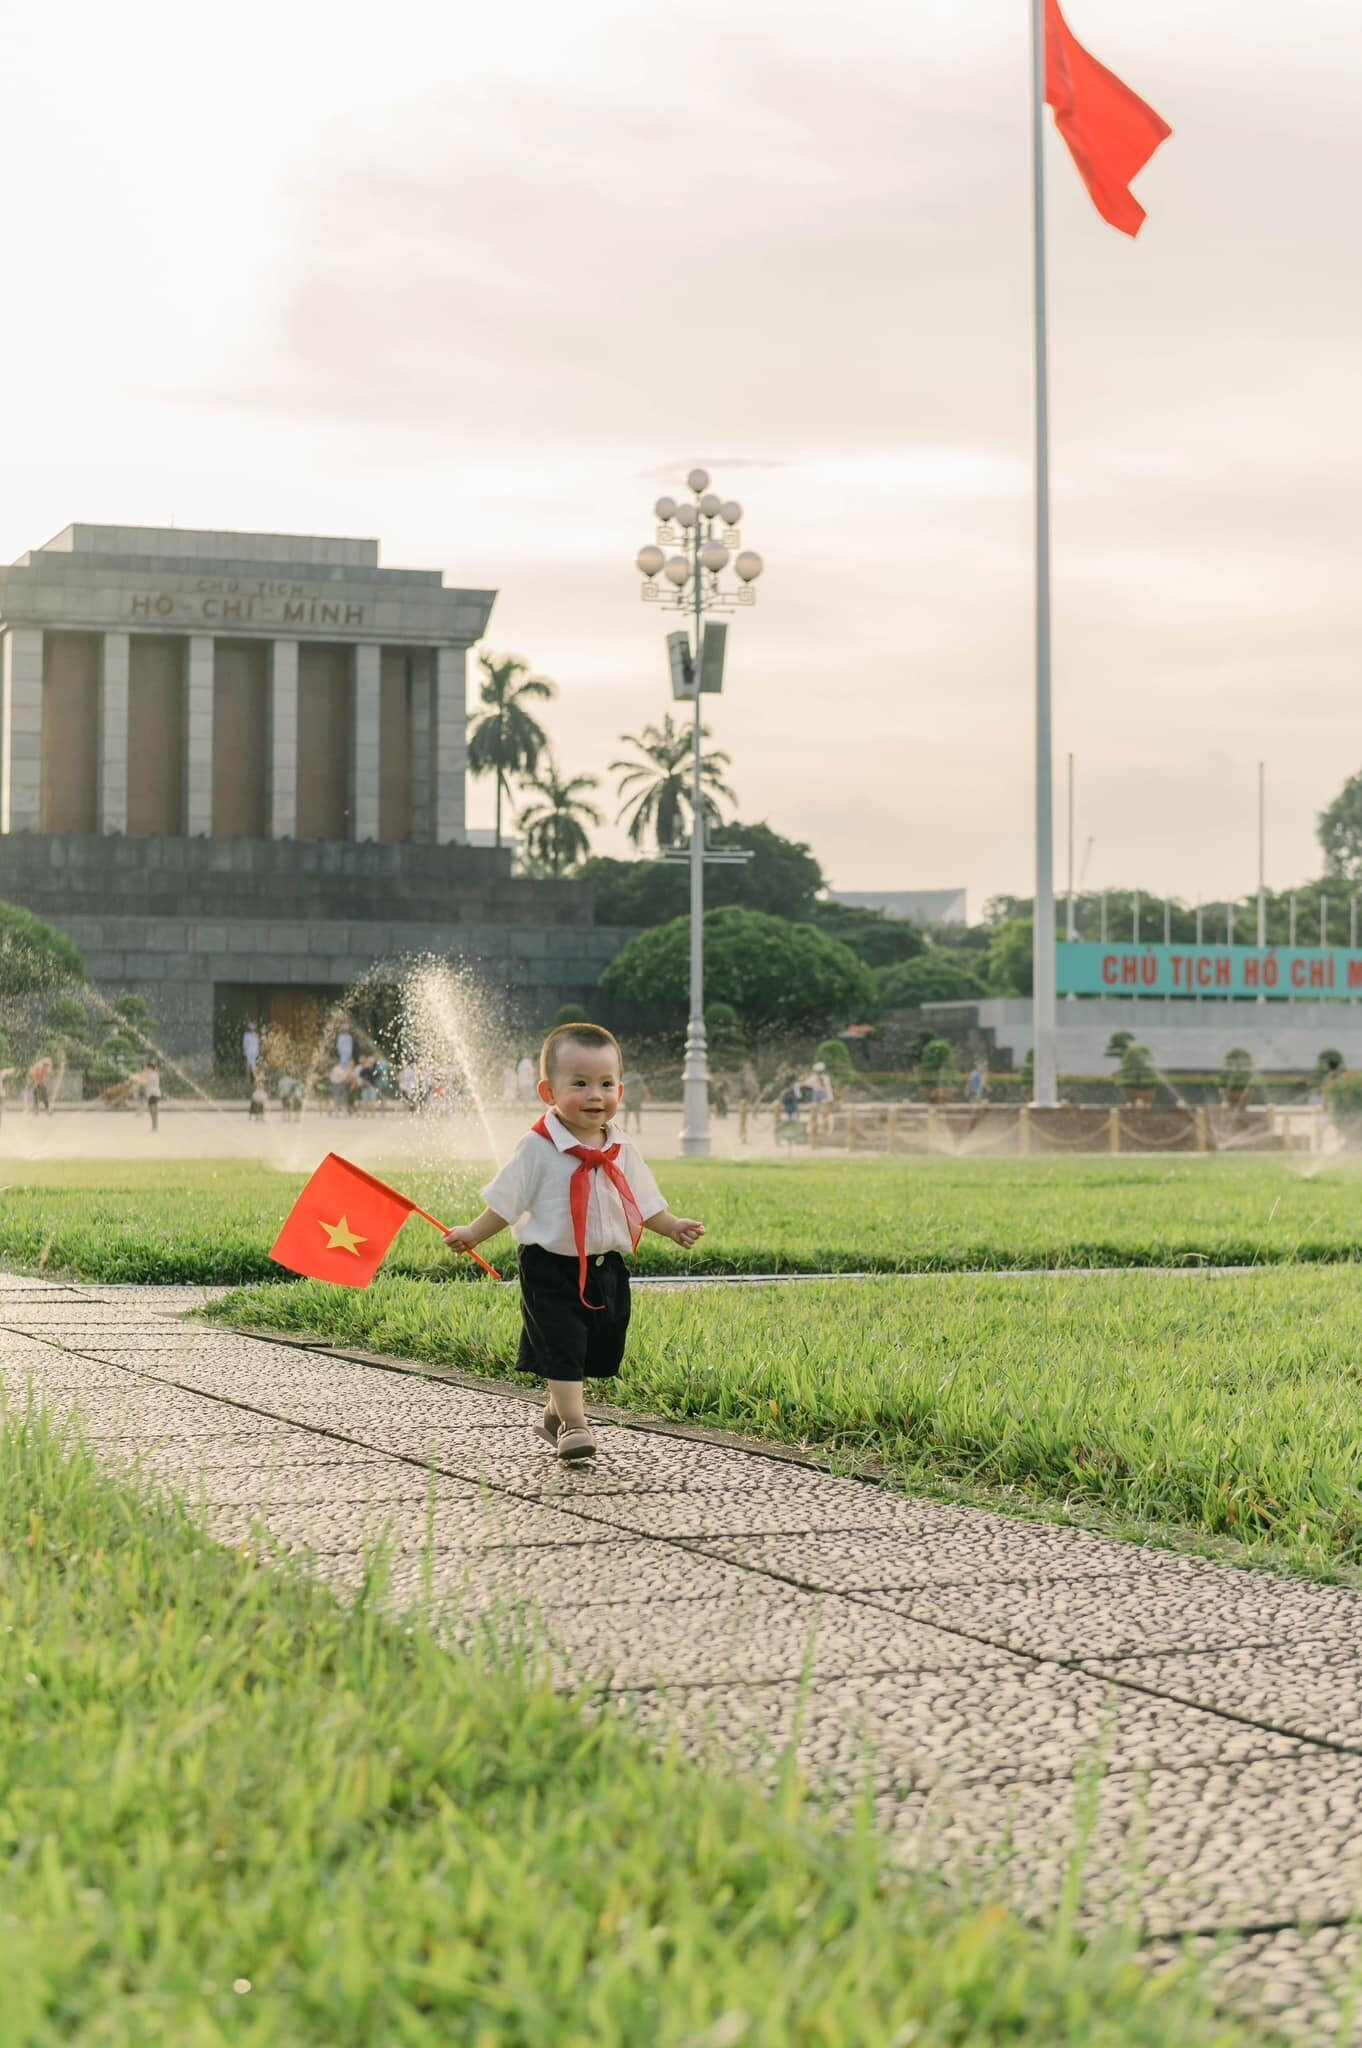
<point>1002,1130</point>
<point>183,922</point>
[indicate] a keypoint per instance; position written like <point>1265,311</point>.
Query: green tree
<point>507,740</point>
<point>1340,830</point>
<point>35,957</point>
<point>571,1013</point>
<point>782,878</point>
<point>657,788</point>
<point>873,936</point>
<point>555,826</point>
<point>934,977</point>
<point>773,972</point>
<point>1009,958</point>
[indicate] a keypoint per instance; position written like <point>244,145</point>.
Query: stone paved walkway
<point>963,1666</point>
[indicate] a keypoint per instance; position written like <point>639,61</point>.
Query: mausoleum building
<point>232,767</point>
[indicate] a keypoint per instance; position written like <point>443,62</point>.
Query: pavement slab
<point>1009,1695</point>
<point>1003,1721</point>
<point>1312,1688</point>
<point>1198,1850</point>
<point>449,1516</point>
<point>1304,1982</point>
<point>941,1545</point>
<point>1195,1608</point>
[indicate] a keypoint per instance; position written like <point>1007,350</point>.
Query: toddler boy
<point>579,1194</point>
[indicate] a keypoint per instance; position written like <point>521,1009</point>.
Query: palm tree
<point>506,740</point>
<point>657,789</point>
<point>555,827</point>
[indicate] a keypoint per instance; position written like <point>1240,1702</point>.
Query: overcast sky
<point>481,281</point>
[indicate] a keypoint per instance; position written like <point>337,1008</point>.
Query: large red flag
<point>1110,131</point>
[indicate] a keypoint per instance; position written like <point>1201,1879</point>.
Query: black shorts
<point>560,1339</point>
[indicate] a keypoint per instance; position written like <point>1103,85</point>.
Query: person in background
<point>250,1049</point>
<point>149,1081</point>
<point>527,1080</point>
<point>291,1097</point>
<point>974,1086</point>
<point>335,1081</point>
<point>510,1087</point>
<point>635,1089</point>
<point>40,1081</point>
<point>345,1045</point>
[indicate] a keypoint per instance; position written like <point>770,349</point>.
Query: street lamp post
<point>704,530</point>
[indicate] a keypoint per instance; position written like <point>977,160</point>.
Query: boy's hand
<point>685,1231</point>
<point>461,1238</point>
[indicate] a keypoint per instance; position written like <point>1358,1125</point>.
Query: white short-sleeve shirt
<point>531,1192</point>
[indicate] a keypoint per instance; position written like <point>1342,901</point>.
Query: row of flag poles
<point>1111,134</point>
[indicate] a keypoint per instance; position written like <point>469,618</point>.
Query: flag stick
<point>426,1217</point>
<point>1043,926</point>
<point>414,1207</point>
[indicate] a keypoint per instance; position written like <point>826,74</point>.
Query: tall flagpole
<point>1043,926</point>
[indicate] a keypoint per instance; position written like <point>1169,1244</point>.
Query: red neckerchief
<point>579,1195</point>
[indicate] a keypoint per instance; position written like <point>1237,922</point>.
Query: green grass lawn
<point>216,1222</point>
<point>233,1810</point>
<point>1220,1407</point>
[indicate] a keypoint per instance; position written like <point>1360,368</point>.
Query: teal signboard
<point>1304,972</point>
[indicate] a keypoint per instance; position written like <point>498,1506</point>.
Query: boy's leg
<point>567,1403</point>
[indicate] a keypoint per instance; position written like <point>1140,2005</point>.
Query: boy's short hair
<point>583,1034</point>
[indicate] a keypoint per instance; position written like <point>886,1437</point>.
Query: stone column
<point>283,741</point>
<point>451,745</point>
<point>198,735</point>
<point>21,730</point>
<point>422,751</point>
<point>364,751</point>
<point>114,666</point>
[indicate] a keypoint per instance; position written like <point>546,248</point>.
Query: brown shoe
<point>548,1426</point>
<point>576,1443</point>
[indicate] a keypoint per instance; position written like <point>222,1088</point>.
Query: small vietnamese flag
<point>1110,130</point>
<point>341,1225</point>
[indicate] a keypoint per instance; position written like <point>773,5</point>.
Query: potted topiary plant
<point>1117,1044</point>
<point>724,1034</point>
<point>1236,1077</point>
<point>1329,1064</point>
<point>836,1057</point>
<point>937,1073</point>
<point>1343,1099</point>
<point>1137,1077</point>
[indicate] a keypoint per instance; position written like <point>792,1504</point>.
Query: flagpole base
<point>695,1142</point>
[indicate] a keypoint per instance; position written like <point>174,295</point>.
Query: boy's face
<point>584,1085</point>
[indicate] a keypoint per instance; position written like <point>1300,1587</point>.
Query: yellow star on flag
<point>342,1238</point>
